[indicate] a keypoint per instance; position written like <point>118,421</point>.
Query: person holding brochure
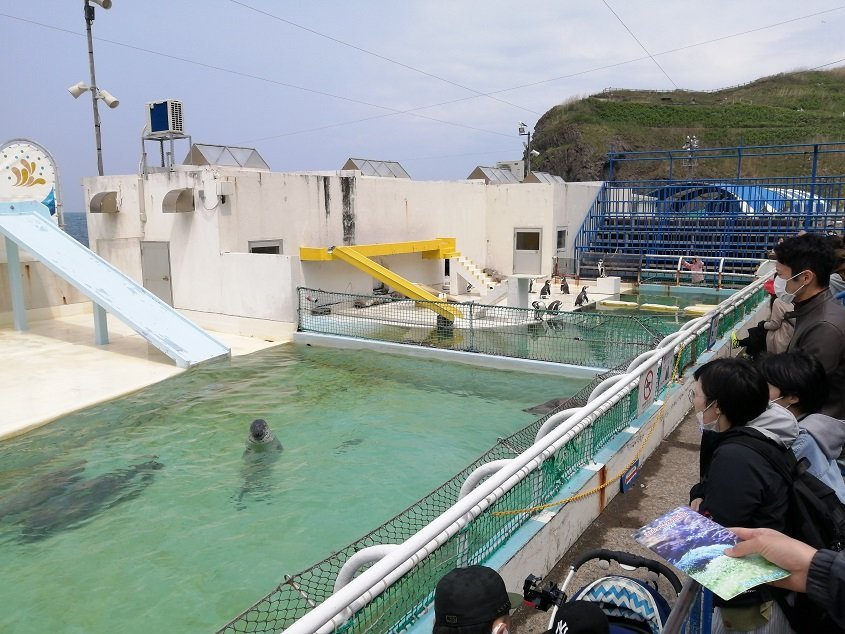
<point>739,486</point>
<point>819,573</point>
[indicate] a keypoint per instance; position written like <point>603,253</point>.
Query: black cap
<point>473,596</point>
<point>579,617</point>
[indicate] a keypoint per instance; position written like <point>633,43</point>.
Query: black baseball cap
<point>579,617</point>
<point>469,599</point>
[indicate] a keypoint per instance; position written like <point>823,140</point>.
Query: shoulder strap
<point>782,460</point>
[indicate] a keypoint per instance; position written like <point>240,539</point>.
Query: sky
<point>438,85</point>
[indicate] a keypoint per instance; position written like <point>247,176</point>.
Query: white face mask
<point>712,426</point>
<point>780,288</point>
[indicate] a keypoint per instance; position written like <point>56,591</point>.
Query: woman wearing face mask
<point>730,398</point>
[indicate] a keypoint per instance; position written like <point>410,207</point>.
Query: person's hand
<point>696,503</point>
<point>790,554</point>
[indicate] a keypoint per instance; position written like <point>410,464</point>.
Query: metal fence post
<point>471,327</point>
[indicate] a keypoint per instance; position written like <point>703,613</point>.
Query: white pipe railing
<point>359,560</point>
<point>360,591</point>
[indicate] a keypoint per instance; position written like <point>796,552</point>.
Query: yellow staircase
<point>359,257</point>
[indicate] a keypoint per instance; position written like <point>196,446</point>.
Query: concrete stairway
<point>472,273</point>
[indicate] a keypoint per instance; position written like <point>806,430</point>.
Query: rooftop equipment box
<point>164,117</point>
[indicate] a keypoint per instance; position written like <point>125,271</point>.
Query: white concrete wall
<point>519,206</point>
<point>319,210</point>
<point>578,199</point>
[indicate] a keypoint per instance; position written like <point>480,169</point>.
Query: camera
<point>540,597</point>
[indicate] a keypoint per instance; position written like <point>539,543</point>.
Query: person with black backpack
<point>818,573</point>
<point>740,487</point>
<point>797,381</point>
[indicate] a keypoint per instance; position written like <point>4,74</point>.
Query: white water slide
<point>27,225</point>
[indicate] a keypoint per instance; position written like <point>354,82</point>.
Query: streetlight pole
<point>89,20</point>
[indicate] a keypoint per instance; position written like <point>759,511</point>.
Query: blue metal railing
<point>719,217</point>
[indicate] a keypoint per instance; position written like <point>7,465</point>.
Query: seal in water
<point>261,438</point>
<point>261,453</point>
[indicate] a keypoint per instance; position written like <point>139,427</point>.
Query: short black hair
<point>798,374</point>
<point>737,387</point>
<point>808,252</point>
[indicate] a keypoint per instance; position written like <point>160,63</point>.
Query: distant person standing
<point>697,268</point>
<point>804,264</point>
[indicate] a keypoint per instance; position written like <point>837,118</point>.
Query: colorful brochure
<point>696,544</point>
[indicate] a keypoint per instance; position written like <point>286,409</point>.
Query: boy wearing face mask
<point>804,265</point>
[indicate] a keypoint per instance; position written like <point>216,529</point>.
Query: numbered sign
<point>667,366</point>
<point>713,333</point>
<point>648,389</point>
<point>627,480</point>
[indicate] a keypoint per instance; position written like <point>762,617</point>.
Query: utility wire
<point>672,50</point>
<point>381,57</point>
<point>412,111</point>
<point>392,111</point>
<point>637,40</point>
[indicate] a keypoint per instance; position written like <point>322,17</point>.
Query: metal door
<point>155,269</point>
<point>527,252</point>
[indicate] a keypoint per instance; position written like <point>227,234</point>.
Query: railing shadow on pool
<point>442,531</point>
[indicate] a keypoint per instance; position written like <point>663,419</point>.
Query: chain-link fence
<point>586,338</point>
<point>402,602</point>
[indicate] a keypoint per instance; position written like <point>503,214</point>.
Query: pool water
<point>143,514</point>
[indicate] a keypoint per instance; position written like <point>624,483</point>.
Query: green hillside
<point>802,107</point>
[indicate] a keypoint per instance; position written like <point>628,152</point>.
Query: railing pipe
<point>479,474</point>
<point>553,421</point>
<point>358,561</point>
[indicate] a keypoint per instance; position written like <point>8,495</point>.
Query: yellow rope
<point>658,417</point>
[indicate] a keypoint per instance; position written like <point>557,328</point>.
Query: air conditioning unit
<point>164,117</point>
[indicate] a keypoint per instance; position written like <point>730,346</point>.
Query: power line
<point>637,40</point>
<point>413,111</point>
<point>392,111</point>
<point>379,56</point>
<point>672,50</point>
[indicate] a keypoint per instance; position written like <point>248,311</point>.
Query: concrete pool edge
<point>455,356</point>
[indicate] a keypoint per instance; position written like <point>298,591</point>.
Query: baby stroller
<point>631,605</point>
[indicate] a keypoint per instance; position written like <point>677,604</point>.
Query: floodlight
<point>106,4</point>
<point>534,153</point>
<point>78,89</point>
<point>110,99</point>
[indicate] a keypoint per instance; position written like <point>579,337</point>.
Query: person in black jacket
<point>819,573</point>
<point>740,487</point>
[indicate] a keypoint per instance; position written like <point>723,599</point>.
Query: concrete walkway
<point>55,368</point>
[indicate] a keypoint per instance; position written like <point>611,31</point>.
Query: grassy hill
<point>802,107</point>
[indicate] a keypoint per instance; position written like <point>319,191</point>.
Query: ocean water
<point>76,226</point>
<point>143,514</point>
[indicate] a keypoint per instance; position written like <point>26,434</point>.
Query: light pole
<point>524,131</point>
<point>691,146</point>
<point>77,89</point>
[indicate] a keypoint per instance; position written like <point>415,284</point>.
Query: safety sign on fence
<point>647,389</point>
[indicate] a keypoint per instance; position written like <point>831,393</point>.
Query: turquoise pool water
<point>142,514</point>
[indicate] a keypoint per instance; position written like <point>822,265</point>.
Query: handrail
<point>342,605</point>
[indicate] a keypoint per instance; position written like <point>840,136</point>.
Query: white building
<point>222,241</point>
